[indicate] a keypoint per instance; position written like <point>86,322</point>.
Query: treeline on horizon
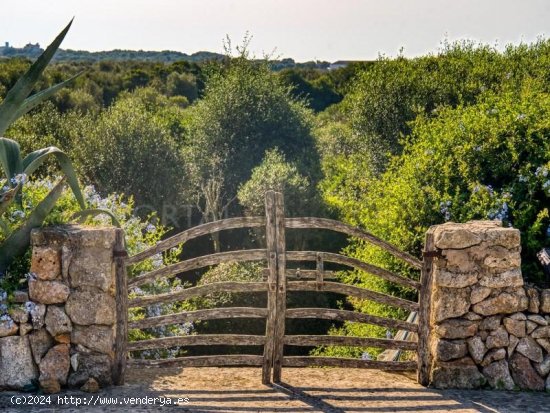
<point>32,51</point>
<point>393,146</point>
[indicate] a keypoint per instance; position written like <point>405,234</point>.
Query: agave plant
<point>17,168</point>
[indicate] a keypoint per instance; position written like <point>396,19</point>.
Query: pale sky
<point>302,29</point>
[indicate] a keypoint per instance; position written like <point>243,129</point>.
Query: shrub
<point>133,148</point>
<point>490,160</point>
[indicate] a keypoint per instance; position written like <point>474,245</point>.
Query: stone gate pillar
<point>486,326</point>
<point>66,324</point>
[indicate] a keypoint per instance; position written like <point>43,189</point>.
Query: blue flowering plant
<point>140,233</point>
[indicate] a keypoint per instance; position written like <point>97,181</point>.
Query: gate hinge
<point>121,253</point>
<point>431,254</point>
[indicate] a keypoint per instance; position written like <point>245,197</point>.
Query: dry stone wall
<point>61,332</point>
<point>487,328</point>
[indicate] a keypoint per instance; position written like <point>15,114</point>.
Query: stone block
<point>503,303</point>
<point>498,259</point>
<point>490,323</point>
<point>38,315</point>
<point>543,368</point>
<point>48,292</point>
<point>55,364</point>
<point>495,354</point>
<point>91,365</point>
<point>515,327</point>
<point>456,328</point>
<point>57,321</point>
<point>19,314</point>
<point>545,301</point>
<point>444,278</point>
<point>514,341</point>
<point>91,307</point>
<point>40,342</point>
<point>95,337</point>
<point>454,236</point>
<point>448,350</point>
<point>450,303</point>
<point>498,338</point>
<point>541,332</point>
<point>510,278</point>
<point>477,348</point>
<point>498,375</point>
<point>460,261</point>
<point>8,328</point>
<point>457,374</point>
<point>24,329</point>
<point>480,293</point>
<point>530,349</point>
<point>523,373</point>
<point>16,363</point>
<point>540,320</point>
<point>534,300</point>
<point>93,267</point>
<point>46,263</point>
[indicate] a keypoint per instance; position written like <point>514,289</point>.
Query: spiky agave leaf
<point>14,103</point>
<point>34,159</point>
<point>92,212</point>
<point>10,158</point>
<point>12,164</point>
<point>18,241</point>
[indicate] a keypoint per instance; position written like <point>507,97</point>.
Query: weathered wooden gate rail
<point>276,284</point>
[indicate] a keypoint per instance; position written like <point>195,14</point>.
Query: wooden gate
<point>278,279</point>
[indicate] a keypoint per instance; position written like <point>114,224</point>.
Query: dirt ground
<point>303,390</point>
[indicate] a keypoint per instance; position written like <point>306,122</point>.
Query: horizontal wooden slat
<point>351,290</point>
<point>303,274</point>
<point>352,262</point>
<point>330,224</point>
<point>185,294</point>
<point>197,340</point>
<point>200,361</point>
<point>345,315</point>
<point>198,262</point>
<point>299,340</point>
<point>207,314</point>
<point>204,229</point>
<point>304,361</point>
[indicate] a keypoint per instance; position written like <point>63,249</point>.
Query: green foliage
<point>274,173</point>
<point>314,86</point>
<point>468,131</point>
<point>245,111</point>
<point>182,84</point>
<point>133,147</point>
<point>140,234</point>
<point>391,92</point>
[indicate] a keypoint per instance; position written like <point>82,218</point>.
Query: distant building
<point>7,45</point>
<point>30,46</point>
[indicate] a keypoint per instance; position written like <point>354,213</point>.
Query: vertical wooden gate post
<point>271,241</point>
<point>121,339</point>
<point>424,301</point>
<point>280,315</point>
<point>276,279</point>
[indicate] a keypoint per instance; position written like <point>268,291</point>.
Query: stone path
<point>331,390</point>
